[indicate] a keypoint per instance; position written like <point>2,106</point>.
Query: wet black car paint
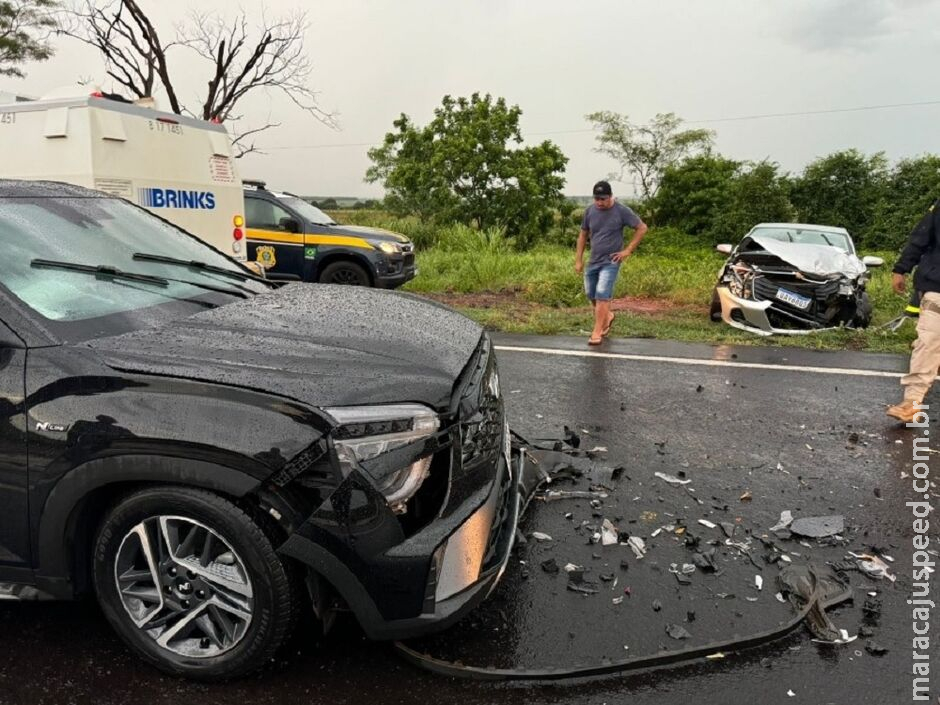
<point>228,399</point>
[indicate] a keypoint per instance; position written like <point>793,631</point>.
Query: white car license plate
<point>789,297</point>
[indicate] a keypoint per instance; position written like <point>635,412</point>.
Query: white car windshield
<point>807,236</point>
<point>42,237</point>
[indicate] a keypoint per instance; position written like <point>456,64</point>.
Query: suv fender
<point>70,506</point>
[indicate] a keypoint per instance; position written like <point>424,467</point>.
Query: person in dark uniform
<point>921,251</point>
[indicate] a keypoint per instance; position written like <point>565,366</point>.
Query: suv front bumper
<point>463,566</point>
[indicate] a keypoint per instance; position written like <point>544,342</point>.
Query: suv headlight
<point>366,432</point>
<point>389,248</point>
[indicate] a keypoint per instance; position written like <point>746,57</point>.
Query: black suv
<point>208,452</point>
<point>289,236</point>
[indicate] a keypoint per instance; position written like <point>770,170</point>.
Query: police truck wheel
<point>193,584</point>
<point>344,273</point>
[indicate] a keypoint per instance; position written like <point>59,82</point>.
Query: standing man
<point>604,223</point>
<point>921,251</point>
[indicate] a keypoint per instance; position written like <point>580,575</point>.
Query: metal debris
<point>818,527</point>
<point>676,632</point>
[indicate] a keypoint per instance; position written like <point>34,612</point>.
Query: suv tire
<point>193,584</point>
<point>344,272</point>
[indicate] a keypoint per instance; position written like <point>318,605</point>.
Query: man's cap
<point>602,188</point>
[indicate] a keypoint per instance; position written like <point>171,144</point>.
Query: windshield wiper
<point>101,270</point>
<point>196,264</point>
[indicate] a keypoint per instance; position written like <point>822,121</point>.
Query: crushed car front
<point>794,279</point>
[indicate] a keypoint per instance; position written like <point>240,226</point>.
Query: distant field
<point>665,288</point>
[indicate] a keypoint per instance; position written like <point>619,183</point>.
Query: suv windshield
<point>806,236</point>
<point>307,211</point>
<point>102,233</point>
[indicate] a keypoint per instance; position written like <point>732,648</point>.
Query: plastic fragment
<point>707,524</point>
<point>872,566</point>
<point>786,518</point>
<point>609,533</point>
<point>637,545</point>
<point>671,479</point>
<point>539,536</point>
<point>758,582</point>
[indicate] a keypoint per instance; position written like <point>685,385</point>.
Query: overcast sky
<point>559,60</point>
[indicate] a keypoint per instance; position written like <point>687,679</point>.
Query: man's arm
<point>638,234</point>
<point>579,251</point>
<point>920,239</point>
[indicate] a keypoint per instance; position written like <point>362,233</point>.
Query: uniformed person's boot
<point>903,412</point>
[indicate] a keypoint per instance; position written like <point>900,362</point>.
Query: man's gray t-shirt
<point>606,230</point>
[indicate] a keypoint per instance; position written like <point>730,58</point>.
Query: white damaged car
<point>793,278</point>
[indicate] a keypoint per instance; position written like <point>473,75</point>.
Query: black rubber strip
<point>457,670</point>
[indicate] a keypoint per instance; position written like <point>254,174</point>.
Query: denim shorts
<point>599,280</point>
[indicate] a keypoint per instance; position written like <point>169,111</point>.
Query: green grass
<point>538,291</point>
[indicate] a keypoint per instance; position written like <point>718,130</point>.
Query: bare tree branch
<point>276,61</point>
<point>242,60</point>
<point>242,148</point>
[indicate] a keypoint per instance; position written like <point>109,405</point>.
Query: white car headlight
<point>366,432</point>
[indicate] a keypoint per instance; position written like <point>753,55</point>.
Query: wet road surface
<point>815,442</point>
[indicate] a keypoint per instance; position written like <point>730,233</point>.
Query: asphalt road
<point>797,430</point>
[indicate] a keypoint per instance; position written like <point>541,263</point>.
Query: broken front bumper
<point>455,563</point>
<point>752,315</point>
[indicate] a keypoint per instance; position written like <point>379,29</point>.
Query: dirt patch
<point>505,299</point>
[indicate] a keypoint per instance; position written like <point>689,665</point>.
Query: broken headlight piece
<point>366,432</point>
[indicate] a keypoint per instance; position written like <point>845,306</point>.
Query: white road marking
<point>704,363</point>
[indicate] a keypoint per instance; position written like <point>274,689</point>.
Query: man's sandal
<point>595,341</point>
<point>606,330</point>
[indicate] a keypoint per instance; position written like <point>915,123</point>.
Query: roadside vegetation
<point>664,290</point>
<point>495,238</point>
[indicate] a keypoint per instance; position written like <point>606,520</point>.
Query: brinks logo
<point>176,198</point>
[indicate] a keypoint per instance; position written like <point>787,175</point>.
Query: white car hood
<point>821,260</point>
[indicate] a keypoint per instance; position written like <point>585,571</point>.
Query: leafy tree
<point>467,166</point>
<point>912,186</point>
<point>646,151</point>
<point>25,27</point>
<point>693,192</point>
<point>843,189</point>
<point>758,194</point>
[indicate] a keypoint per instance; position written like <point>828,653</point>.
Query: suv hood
<point>319,344</point>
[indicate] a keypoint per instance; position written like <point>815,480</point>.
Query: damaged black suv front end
<point>793,279</point>
<point>420,524</point>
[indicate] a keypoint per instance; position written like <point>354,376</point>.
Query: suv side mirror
<point>289,224</point>
<point>724,248</point>
<point>872,261</point>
